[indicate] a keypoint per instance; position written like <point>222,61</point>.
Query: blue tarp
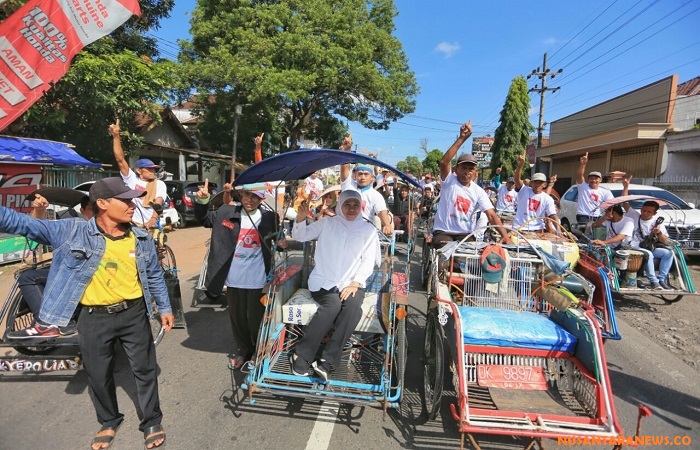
<point>38,151</point>
<point>299,164</point>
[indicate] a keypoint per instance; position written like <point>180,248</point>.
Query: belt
<point>116,307</point>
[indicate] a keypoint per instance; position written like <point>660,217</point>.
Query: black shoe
<point>69,329</point>
<point>657,287</point>
<point>37,330</point>
<point>300,366</point>
<point>322,368</point>
<point>665,285</point>
<point>642,284</point>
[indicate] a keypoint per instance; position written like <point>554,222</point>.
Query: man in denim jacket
<point>115,304</point>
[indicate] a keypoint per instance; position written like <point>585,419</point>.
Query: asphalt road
<point>204,407</point>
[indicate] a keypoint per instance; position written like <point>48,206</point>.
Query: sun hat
<point>539,176</point>
<point>493,263</point>
<point>595,174</point>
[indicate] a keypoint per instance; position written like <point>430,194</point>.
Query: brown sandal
<point>105,439</point>
<point>152,434</point>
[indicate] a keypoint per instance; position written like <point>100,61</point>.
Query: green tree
<point>411,164</point>
<point>513,132</point>
<point>310,61</point>
<point>431,163</point>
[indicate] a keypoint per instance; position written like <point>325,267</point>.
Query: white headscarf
<point>352,226</point>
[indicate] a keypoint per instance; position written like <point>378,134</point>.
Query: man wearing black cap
<point>78,275</point>
<point>590,194</point>
<point>142,178</point>
<point>461,197</point>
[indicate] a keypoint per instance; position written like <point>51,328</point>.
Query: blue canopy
<point>38,151</point>
<point>299,164</point>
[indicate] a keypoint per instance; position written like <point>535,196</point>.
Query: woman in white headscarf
<point>346,253</point>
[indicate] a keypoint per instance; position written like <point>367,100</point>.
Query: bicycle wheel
<point>425,263</point>
<point>433,365</point>
<point>401,352</point>
<point>167,258</point>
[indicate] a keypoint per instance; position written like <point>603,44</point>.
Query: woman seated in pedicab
<point>346,253</point>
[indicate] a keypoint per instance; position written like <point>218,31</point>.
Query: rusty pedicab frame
<point>527,359</point>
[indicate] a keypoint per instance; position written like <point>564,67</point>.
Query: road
<point>204,407</point>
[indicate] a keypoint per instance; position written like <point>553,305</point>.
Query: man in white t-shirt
<point>313,186</point>
<point>427,181</point>
<point>590,194</point>
<point>507,196</point>
<point>142,178</point>
<point>619,228</point>
<point>373,203</point>
<point>534,205</point>
<point>461,199</point>
<point>645,224</point>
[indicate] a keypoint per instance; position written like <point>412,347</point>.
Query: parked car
<point>682,219</point>
<point>183,194</point>
<point>169,211</point>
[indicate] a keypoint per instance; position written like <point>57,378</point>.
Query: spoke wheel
<point>673,281</point>
<point>433,365</point>
<point>425,263</point>
<point>167,258</point>
<point>401,352</point>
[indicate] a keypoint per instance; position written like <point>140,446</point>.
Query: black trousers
<point>334,314</point>
<point>246,313</point>
<point>31,283</point>
<point>98,335</point>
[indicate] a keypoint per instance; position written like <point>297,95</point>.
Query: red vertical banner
<point>38,42</point>
<point>16,182</point>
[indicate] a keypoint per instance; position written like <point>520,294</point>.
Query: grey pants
<point>341,317</point>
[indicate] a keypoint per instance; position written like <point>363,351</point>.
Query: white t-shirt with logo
<point>589,200</point>
<point>372,201</point>
<point>247,266</point>
<point>646,226</point>
<point>624,226</point>
<point>506,198</point>
<point>143,213</point>
<point>314,187</point>
<point>531,206</point>
<point>458,205</point>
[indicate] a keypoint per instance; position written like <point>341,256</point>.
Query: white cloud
<point>447,48</point>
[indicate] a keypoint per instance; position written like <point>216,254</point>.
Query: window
<point>572,195</point>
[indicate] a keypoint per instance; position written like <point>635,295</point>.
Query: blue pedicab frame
<point>372,368</point>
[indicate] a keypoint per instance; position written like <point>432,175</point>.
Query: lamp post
<point>237,117</point>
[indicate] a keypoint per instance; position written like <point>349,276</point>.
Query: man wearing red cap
<point>142,178</point>
<point>461,198</point>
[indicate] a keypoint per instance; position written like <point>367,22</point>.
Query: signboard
<point>16,181</point>
<point>38,42</point>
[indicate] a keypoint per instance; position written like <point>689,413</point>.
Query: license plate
<point>511,377</point>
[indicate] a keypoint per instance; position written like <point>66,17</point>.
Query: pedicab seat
<point>518,329</point>
<point>301,307</point>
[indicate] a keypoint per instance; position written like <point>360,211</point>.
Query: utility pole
<point>236,118</point>
<point>542,75</point>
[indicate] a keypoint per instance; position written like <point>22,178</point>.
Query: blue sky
<point>466,53</point>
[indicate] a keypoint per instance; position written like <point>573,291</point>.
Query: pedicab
<point>56,353</point>
<point>624,268</point>
<point>516,328</point>
<point>372,367</point>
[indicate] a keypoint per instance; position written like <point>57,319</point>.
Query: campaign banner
<point>38,43</point>
<point>16,182</point>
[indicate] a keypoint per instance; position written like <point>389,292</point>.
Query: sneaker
<point>322,368</point>
<point>657,287</point>
<point>35,331</point>
<point>300,366</point>
<point>69,329</point>
<point>665,285</point>
<point>642,284</point>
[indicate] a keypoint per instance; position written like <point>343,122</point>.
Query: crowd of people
<point>105,275</point>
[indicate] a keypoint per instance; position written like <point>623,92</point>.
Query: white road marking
<point>321,434</point>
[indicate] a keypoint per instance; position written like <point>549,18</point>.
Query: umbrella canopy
<point>299,164</point>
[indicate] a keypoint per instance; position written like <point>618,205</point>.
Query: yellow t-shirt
<point>116,278</point>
